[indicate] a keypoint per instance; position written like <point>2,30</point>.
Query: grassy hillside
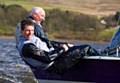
<point>94,7</point>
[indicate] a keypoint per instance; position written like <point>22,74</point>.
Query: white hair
<point>37,10</point>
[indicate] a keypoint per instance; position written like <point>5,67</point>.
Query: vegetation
<point>59,23</point>
<point>9,16</point>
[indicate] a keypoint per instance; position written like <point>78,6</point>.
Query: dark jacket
<point>30,50</point>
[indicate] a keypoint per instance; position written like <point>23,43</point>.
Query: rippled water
<point>12,68</point>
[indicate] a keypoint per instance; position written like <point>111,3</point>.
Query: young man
<point>31,46</point>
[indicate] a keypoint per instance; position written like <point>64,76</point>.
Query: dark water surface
<point>14,70</point>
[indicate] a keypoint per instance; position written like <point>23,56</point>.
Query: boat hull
<point>87,70</point>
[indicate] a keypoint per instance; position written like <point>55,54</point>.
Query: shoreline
<point>61,40</point>
<point>7,37</point>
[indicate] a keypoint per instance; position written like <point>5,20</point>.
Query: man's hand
<point>70,45</point>
<point>66,46</point>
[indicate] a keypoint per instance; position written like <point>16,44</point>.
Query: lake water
<point>14,70</point>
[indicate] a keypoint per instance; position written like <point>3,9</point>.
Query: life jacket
<point>34,40</point>
<point>30,61</point>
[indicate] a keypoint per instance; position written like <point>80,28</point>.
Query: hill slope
<point>95,7</point>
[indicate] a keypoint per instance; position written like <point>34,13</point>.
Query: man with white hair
<point>38,14</point>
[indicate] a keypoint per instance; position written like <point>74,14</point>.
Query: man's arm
<point>30,50</point>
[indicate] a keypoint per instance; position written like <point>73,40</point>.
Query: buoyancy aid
<point>34,40</point>
<point>29,60</point>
